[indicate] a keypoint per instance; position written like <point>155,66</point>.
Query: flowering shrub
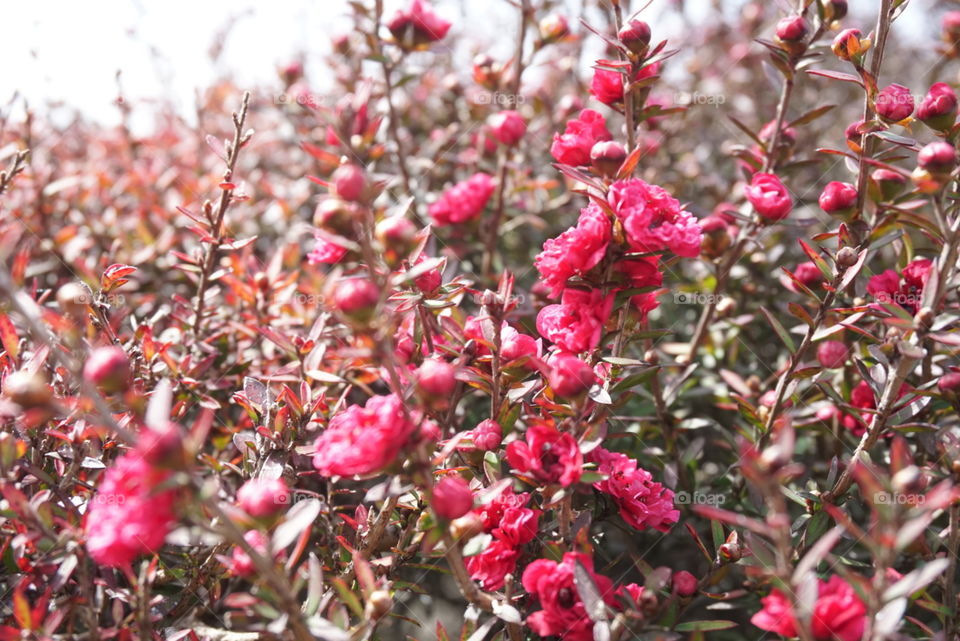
<point>535,349</point>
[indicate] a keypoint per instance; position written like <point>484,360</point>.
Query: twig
<point>216,222</point>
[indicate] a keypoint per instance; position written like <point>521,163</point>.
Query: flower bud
<point>951,32</point>
<point>350,183</point>
<point>108,368</point>
<point>378,605</point>
<point>838,198</point>
<point>263,497</point>
<point>846,257</point>
<point>397,236</point>
<point>769,197</point>
<point>635,36</point>
<point>487,435</point>
<point>335,216</point>
<point>507,126</point>
<point>74,300</point>
<point>938,109</point>
<point>949,384</point>
<point>834,10</point>
<point>850,45</point>
<point>356,298</point>
<point>889,184</point>
<point>607,156</point>
<point>436,379</point>
<point>792,29</point>
<point>716,237</point>
<point>925,182</point>
<point>553,27</point>
<point>684,583</point>
<point>853,133</point>
<point>569,376</point>
<point>894,103</point>
<point>452,497</point>
<point>162,446</point>
<point>466,527</point>
<point>832,354</point>
<point>486,72</point>
<point>938,158</point>
<point>27,389</point>
<point>730,552</point>
<point>291,72</point>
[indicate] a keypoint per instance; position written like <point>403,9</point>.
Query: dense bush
<point>617,338</point>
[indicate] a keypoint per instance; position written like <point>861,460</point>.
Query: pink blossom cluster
<point>511,525</point>
<point>129,515</point>
<point>464,201</point>
<point>363,440</point>
<point>643,502</point>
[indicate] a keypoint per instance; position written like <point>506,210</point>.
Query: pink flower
<point>363,440</point>
<point>491,511</point>
<point>653,219</point>
<point>417,24</point>
<point>938,109</point>
<point>128,516</point>
<point>261,497</point>
<point>807,273</point>
<point>553,585</point>
<point>436,378</point>
<point>508,127</point>
<point>464,201</point>
<point>684,583</point>
<point>452,497</point>
<point>108,368</point>
<point>514,345</point>
<point>607,85</point>
<point>240,562</point>
<point>832,354</point>
<point>569,377</point>
<point>547,455</point>
<point>576,324</point>
<point>518,525</point>
<point>574,145</point>
<point>325,252</point>
<point>839,614</point>
<point>886,287</point>
<point>838,197</point>
<point>769,197</point>
<point>894,103</point>
<point>491,566</point>
<point>640,273</point>
<point>643,503</point>
<point>487,435</point>
<point>575,251</point>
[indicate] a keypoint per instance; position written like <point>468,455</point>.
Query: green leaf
<point>694,626</point>
<point>779,329</point>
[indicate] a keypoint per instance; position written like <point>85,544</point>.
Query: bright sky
<point>62,50</point>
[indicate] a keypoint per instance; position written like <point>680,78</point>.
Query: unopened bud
<point>466,527</point>
<point>847,257</point>
<point>889,184</point>
<point>635,36</point>
<point>607,157</point>
<point>27,389</point>
<point>350,183</point>
<point>938,109</point>
<point>335,216</point>
<point>356,298</point>
<point>378,605</point>
<point>108,368</point>
<point>938,158</point>
<point>74,300</point>
<point>553,28</point>
<point>850,45</point>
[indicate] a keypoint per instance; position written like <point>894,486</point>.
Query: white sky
<point>69,51</point>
